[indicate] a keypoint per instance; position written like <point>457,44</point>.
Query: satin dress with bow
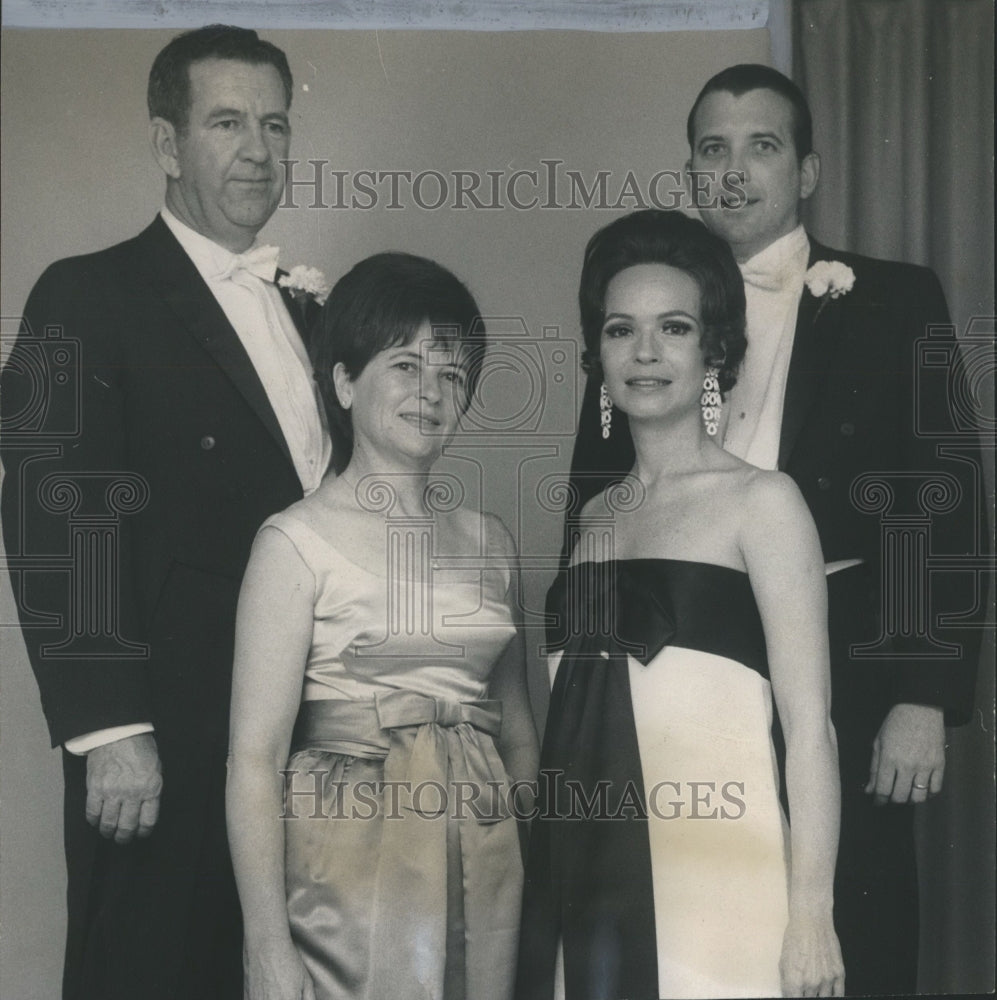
<point>402,858</point>
<point>658,864</point>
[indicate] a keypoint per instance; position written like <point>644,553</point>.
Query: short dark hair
<point>654,236</point>
<point>168,95</point>
<point>379,304</point>
<point>738,80</point>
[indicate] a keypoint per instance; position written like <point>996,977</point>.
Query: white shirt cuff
<point>82,745</point>
<point>838,565</point>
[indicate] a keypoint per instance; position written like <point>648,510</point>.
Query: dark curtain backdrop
<point>902,95</point>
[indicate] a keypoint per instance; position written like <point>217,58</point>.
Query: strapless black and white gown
<point>658,865</point>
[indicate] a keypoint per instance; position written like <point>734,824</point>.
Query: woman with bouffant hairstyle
<point>692,609</point>
<point>379,707</point>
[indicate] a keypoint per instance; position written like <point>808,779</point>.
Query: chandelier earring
<point>605,411</point>
<point>710,400</point>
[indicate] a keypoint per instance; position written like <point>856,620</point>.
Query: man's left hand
<point>908,755</point>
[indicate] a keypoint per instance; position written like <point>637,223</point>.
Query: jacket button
<point>824,483</point>
<point>207,442</point>
<point>848,429</point>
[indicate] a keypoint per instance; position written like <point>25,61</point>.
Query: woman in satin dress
<point>693,610</point>
<point>379,707</point>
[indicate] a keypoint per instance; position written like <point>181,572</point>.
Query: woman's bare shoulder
<point>770,491</point>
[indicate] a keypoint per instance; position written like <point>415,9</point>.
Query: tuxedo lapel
<point>184,291</point>
<point>816,320</point>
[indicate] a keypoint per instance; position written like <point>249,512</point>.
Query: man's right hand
<point>124,781</point>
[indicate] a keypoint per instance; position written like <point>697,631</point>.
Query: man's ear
<point>343,384</point>
<point>809,175</point>
<point>163,138</point>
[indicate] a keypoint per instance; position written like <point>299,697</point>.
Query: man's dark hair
<point>382,303</point>
<point>654,236</point>
<point>168,95</point>
<point>738,80</point>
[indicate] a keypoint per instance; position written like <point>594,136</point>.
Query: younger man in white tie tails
<point>826,394</point>
<point>193,418</point>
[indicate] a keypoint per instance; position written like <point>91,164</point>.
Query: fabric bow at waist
<point>442,844</point>
<point>422,740</point>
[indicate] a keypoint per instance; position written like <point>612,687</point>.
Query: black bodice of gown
<point>639,606</point>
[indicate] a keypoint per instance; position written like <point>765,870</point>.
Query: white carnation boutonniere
<point>305,282</point>
<point>829,279</point>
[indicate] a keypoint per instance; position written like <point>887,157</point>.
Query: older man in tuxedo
<point>158,405</point>
<point>826,394</point>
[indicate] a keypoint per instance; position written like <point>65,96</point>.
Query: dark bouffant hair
<point>381,303</point>
<point>659,237</point>
<point>168,95</point>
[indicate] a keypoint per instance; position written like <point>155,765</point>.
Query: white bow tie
<point>780,266</point>
<point>767,279</point>
<point>261,261</point>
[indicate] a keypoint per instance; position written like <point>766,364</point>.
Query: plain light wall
<point>77,175</point>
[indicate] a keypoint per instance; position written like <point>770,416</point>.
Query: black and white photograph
<point>497,500</point>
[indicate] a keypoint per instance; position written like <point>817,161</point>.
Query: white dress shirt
<point>773,286</point>
<point>258,315</point>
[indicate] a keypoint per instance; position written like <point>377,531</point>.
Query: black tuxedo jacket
<point>857,405</point>
<point>141,456</point>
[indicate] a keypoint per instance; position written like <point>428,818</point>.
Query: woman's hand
<point>810,964</point>
<point>275,971</point>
